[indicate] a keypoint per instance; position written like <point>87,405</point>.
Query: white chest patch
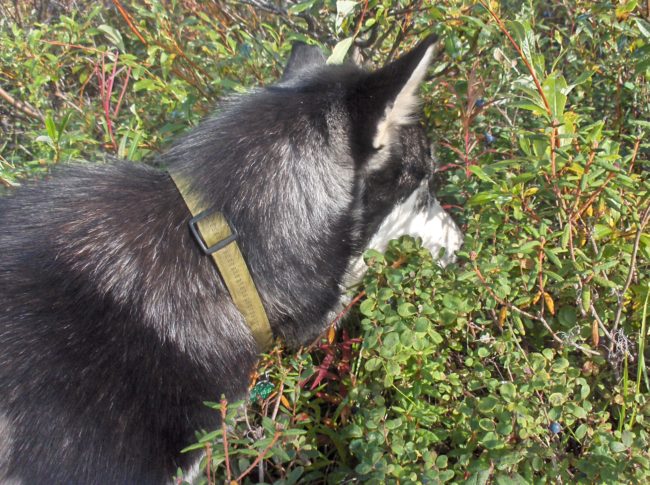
<point>428,221</point>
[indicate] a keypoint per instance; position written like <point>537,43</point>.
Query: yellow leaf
<point>331,334</point>
<point>502,315</point>
<point>537,297</point>
<point>549,303</point>
<point>577,169</point>
<point>590,210</point>
<point>285,401</point>
<point>531,191</point>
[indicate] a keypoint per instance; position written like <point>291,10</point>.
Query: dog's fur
<point>115,328</point>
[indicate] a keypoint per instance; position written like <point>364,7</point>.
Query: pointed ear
<point>388,98</point>
<point>302,57</point>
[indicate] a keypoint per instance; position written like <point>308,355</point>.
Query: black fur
<point>114,327</point>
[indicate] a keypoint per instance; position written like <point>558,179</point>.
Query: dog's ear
<point>388,97</point>
<point>303,56</point>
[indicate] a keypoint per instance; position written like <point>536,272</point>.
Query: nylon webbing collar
<point>216,238</point>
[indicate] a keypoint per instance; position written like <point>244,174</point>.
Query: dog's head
<point>392,155</point>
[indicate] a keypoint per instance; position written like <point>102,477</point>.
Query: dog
<point>115,325</point>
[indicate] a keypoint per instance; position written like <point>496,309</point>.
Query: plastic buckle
<point>194,228</point>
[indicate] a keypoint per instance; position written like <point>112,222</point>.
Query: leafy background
<point>524,362</point>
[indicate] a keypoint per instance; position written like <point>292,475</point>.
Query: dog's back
<point>98,278</point>
<point>115,327</point>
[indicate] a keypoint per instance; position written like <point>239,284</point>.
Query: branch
<point>21,105</point>
<point>224,431</point>
<point>129,21</point>
<point>261,456</point>
<point>537,317</point>
<point>521,54</point>
<point>645,218</point>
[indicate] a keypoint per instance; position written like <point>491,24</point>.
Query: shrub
<point>522,362</point>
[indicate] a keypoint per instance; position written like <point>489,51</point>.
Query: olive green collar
<point>216,238</point>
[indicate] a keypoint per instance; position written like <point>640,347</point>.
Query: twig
<point>21,105</point>
<point>208,460</point>
<point>72,46</point>
<point>537,317</point>
<point>116,111</point>
<point>338,317</point>
<point>129,21</point>
<point>224,432</point>
<point>593,197</point>
<point>261,456</point>
<point>521,54</point>
<point>578,191</point>
<point>277,403</point>
<point>601,324</point>
<point>645,217</point>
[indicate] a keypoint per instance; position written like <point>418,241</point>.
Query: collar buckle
<point>194,229</point>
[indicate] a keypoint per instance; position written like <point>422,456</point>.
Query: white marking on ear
<point>400,111</point>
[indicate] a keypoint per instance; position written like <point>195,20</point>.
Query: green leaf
<point>421,324</point>
<point>554,88</point>
<point>526,248</point>
<point>581,431</point>
<point>482,198</point>
<point>390,341</point>
<point>560,365</point>
<point>340,50</point>
<point>566,235</point>
<point>479,478</point>
<point>302,6</point>
<point>508,391</point>
<point>392,424</point>
<point>406,310</point>
<point>556,399</point>
<point>553,258</point>
<point>486,424</point>
<point>644,27</point>
<point>487,404</point>
<point>113,36</point>
<point>367,307</point>
<point>535,108</point>
<point>344,7</point>
<point>627,437</point>
<point>480,173</point>
<point>50,126</point>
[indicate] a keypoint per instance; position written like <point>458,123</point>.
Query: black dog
<point>115,326</point>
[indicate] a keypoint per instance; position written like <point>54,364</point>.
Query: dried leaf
<point>595,337</point>
<point>331,334</point>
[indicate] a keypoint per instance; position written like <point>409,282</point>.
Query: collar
<point>216,238</point>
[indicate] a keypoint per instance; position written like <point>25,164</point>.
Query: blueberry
<point>489,138</point>
<point>555,427</point>
<point>480,103</point>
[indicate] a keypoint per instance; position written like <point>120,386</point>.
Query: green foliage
<point>448,391</point>
<point>525,361</point>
